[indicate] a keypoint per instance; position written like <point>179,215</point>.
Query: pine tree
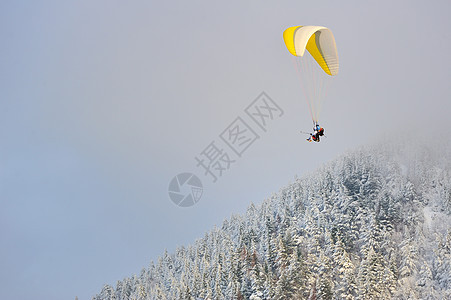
<point>344,272</point>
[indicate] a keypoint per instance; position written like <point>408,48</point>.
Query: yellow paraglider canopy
<point>319,42</point>
<point>320,45</point>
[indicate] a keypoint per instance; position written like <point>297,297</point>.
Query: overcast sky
<point>102,103</point>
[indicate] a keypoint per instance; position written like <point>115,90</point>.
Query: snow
<point>364,226</point>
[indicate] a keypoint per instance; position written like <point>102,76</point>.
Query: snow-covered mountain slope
<point>373,224</point>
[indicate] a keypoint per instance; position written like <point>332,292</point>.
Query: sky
<point>103,103</point>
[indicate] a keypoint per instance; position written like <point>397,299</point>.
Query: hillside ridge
<point>375,223</point>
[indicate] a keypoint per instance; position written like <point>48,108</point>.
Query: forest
<point>374,223</point>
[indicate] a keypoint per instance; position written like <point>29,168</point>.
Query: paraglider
<point>321,51</point>
<point>317,132</point>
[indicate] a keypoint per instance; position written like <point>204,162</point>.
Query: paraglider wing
<point>321,52</point>
<point>319,42</point>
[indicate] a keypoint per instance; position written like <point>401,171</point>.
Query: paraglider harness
<point>317,132</point>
